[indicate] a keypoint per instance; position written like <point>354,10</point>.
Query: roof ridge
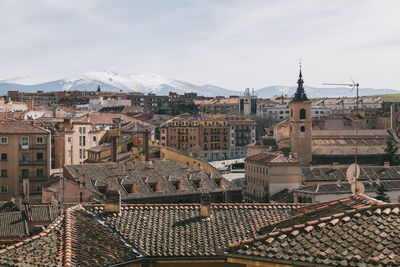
<point>307,226</point>
<point>68,234</point>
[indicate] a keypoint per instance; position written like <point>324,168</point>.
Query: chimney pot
<point>386,164</point>
<point>205,205</point>
<point>113,201</point>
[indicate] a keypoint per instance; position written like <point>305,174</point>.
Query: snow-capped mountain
<point>112,81</point>
<point>160,85</point>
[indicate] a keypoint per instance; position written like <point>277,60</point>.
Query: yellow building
<point>25,159</point>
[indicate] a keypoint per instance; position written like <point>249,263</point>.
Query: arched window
<point>300,200</point>
<point>302,114</point>
<point>302,129</point>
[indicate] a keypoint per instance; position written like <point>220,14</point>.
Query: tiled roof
<point>20,127</point>
<point>104,118</point>
<point>363,236</point>
<point>345,188</point>
<point>168,230</point>
<point>91,237</point>
<point>284,196</point>
<point>142,174</point>
<point>15,223</point>
<point>266,157</point>
<point>313,211</point>
<point>370,173</point>
<point>74,239</point>
<point>12,224</point>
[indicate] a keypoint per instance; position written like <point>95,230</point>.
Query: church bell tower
<point>300,124</point>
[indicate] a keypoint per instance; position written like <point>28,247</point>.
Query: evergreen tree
<point>381,193</point>
<point>391,152</point>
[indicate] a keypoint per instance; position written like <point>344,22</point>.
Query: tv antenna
<point>353,172</point>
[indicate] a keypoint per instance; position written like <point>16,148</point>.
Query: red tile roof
<point>360,235</point>
<point>20,127</point>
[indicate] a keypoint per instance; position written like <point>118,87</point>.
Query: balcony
<point>34,178</point>
<point>32,162</point>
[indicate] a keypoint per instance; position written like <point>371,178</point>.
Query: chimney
<point>386,164</point>
<point>25,188</point>
<point>113,201</point>
<point>146,145</point>
<point>114,148</point>
<point>31,104</point>
<point>205,205</point>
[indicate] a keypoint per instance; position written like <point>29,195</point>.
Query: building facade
<point>25,159</point>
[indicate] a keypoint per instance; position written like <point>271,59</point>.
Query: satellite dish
<point>353,172</point>
<point>357,188</point>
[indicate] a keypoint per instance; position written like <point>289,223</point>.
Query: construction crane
<point>356,168</point>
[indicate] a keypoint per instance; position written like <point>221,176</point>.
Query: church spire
<point>300,95</point>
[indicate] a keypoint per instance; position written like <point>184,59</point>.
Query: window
<point>4,140</point>
<point>80,153</point>
<point>4,173</point>
<point>4,189</point>
<point>39,140</point>
<point>84,153</point>
<point>25,173</point>
<point>69,139</point>
<point>39,188</point>
<point>4,157</point>
<point>84,140</point>
<point>80,140</point>
<point>303,129</point>
<point>84,130</point>
<point>39,172</point>
<point>25,142</point>
<point>80,130</point>
<point>302,114</point>
<point>39,156</point>
<point>94,138</point>
<point>25,158</point>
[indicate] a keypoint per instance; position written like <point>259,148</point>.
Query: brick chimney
<point>114,148</point>
<point>113,201</point>
<point>205,205</point>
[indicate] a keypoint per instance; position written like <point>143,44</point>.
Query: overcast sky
<point>232,44</point>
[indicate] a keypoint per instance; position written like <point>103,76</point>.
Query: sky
<point>226,43</point>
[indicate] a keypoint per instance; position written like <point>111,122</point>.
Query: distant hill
<point>160,85</point>
<point>314,92</point>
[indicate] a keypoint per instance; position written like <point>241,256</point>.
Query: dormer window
<point>131,189</point>
<point>178,185</point>
<point>198,184</point>
<point>155,187</point>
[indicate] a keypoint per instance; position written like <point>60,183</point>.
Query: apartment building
<point>212,137</point>
<point>72,142</point>
<point>25,159</point>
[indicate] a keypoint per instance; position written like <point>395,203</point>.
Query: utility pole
<point>353,172</point>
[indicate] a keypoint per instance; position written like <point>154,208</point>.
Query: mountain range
<point>160,85</point>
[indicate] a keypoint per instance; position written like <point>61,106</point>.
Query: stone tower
<point>300,124</point>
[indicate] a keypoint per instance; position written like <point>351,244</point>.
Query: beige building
<point>25,159</point>
<point>73,142</point>
<point>270,172</point>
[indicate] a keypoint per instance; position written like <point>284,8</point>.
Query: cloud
<point>232,44</point>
